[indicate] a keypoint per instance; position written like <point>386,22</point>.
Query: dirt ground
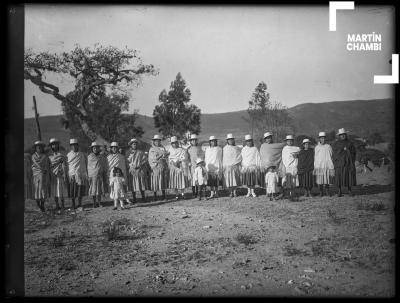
<point>317,246</point>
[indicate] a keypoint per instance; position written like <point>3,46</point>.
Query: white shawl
<point>250,157</point>
<point>213,159</point>
<point>231,155</point>
<point>77,166</point>
<point>323,156</point>
<point>288,160</point>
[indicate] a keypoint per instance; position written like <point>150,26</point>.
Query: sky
<point>223,52</point>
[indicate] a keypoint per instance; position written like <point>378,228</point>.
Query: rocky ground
<point>317,246</point>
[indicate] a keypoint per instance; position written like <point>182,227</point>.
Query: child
<point>117,183</point>
<point>200,177</point>
<point>271,181</point>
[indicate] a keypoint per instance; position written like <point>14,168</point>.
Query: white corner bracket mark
<point>394,78</point>
<point>333,7</point>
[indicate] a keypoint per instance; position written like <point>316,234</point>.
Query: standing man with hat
<point>231,160</point>
<point>289,160</point>
<point>178,168</point>
<point>213,161</point>
<point>158,157</point>
<point>137,161</point>
<point>344,157</point>
<point>97,166</point>
<point>251,163</point>
<point>271,155</point>
<point>324,170</point>
<point>194,152</point>
<point>41,174</point>
<point>305,167</point>
<point>58,173</point>
<point>77,172</point>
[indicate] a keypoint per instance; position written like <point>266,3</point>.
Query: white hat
<point>199,160</point>
<point>342,131</point>
<point>53,140</point>
<point>289,137</point>
<point>247,138</point>
<point>193,136</point>
<point>212,138</point>
<point>174,139</point>
<point>229,136</point>
<point>132,140</point>
<point>94,144</point>
<point>114,144</point>
<point>321,134</point>
<point>39,143</point>
<point>73,141</point>
<point>156,137</point>
<point>306,141</point>
<point>267,134</point>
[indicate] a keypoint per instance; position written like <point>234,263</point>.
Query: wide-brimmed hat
<point>199,160</point>
<point>174,139</point>
<point>73,141</point>
<point>229,136</point>
<point>132,141</point>
<point>39,143</point>
<point>341,131</point>
<point>321,134</point>
<point>94,144</point>
<point>248,138</point>
<point>306,141</point>
<point>212,138</point>
<point>267,134</point>
<point>114,144</point>
<point>156,137</point>
<point>193,137</point>
<point>289,137</point>
<point>54,140</point>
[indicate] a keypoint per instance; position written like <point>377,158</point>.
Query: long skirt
<point>96,185</point>
<point>324,176</point>
<point>41,186</point>
<point>306,180</point>
<point>139,181</point>
<point>292,180</point>
<point>177,178</point>
<point>213,179</point>
<point>191,178</point>
<point>232,176</point>
<point>28,189</point>
<point>159,179</point>
<point>250,177</point>
<point>76,190</point>
<point>58,187</point>
<point>345,177</point>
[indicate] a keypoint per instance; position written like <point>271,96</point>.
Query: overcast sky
<point>224,52</point>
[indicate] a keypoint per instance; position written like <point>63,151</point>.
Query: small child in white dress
<point>117,183</point>
<point>200,177</point>
<point>271,181</point>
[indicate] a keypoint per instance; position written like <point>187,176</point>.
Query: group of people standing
<point>281,168</point>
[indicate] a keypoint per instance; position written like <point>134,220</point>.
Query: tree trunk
<point>92,134</point>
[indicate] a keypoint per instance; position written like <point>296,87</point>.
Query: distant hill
<point>361,117</point>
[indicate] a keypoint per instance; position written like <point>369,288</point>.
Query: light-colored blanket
<point>40,164</point>
<point>77,166</point>
<point>97,164</point>
<point>250,157</point>
<point>231,155</point>
<point>116,160</point>
<point>213,159</point>
<point>158,156</point>
<point>323,157</point>
<point>289,160</point>
<point>58,163</point>
<point>271,154</point>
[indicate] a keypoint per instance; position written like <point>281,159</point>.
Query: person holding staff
<point>289,160</point>
<point>41,175</point>
<point>194,152</point>
<point>213,161</point>
<point>324,170</point>
<point>138,170</point>
<point>305,167</point>
<point>251,163</point>
<point>231,159</point>
<point>158,157</point>
<point>178,168</point>
<point>97,166</point>
<point>58,174</point>
<point>344,157</point>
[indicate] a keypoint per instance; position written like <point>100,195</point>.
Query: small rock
<point>309,270</point>
<point>184,216</point>
<point>242,286</point>
<point>250,285</point>
<point>206,227</point>
<point>246,274</point>
<point>290,282</point>
<point>307,284</point>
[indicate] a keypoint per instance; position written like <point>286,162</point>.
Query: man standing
<point>137,161</point>
<point>97,165</point>
<point>58,173</point>
<point>115,159</point>
<point>195,152</point>
<point>77,172</point>
<point>41,174</point>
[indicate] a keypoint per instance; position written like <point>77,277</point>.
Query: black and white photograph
<point>209,150</point>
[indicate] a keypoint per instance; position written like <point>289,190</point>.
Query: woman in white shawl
<point>178,168</point>
<point>324,170</point>
<point>231,160</point>
<point>289,160</point>
<point>213,160</point>
<point>251,163</point>
<point>158,157</point>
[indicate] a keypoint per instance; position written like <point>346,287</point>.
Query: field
<point>317,246</point>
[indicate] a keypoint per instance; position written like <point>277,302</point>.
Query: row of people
<point>175,168</point>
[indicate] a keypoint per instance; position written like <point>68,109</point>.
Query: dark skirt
<point>306,180</point>
<point>345,177</point>
<point>213,180</point>
<point>249,178</point>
